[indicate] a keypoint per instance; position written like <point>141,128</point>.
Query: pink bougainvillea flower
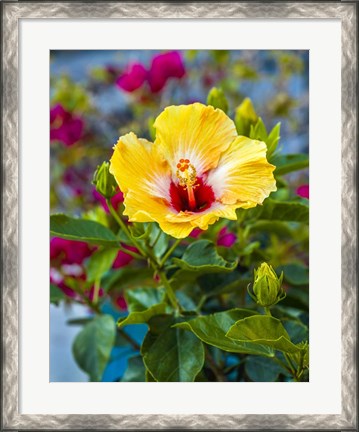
<point>121,302</point>
<point>123,259</point>
<point>196,171</point>
<point>69,251</point>
<point>64,126</point>
<point>303,191</point>
<point>116,200</point>
<point>196,233</point>
<point>133,78</point>
<point>226,238</point>
<point>163,67</point>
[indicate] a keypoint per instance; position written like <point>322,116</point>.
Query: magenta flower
<point>121,302</point>
<point>133,78</point>
<point>226,238</point>
<point>303,191</point>
<point>195,233</point>
<point>64,126</point>
<point>163,67</point>
<point>122,258</point>
<point>116,200</point>
<point>68,251</point>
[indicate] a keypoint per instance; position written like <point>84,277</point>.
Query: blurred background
<point>96,96</point>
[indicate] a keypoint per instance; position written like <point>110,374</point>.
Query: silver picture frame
<point>12,13</point>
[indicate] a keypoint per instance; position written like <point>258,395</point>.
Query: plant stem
<point>96,290</point>
<point>156,239</point>
<point>214,368</point>
<point>267,311</point>
<point>124,227</point>
<point>168,253</point>
<point>131,253</point>
<point>169,291</point>
<point>129,339</point>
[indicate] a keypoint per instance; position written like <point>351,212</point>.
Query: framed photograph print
<point>179,215</point>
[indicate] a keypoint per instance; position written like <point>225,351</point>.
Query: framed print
<point>164,263</point>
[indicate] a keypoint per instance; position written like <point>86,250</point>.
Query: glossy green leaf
<point>261,369</point>
<point>171,354</point>
<point>212,330</point>
<point>272,140</point>
<point>295,274</point>
<point>264,330</point>
<point>56,295</point>
<point>99,263</point>
<point>92,346</point>
<point>297,331</point>
<point>140,299</point>
<point>127,277</point>
<point>143,316</point>
<point>258,131</point>
<point>158,240</point>
<point>135,371</point>
<point>284,211</point>
<point>202,256</point>
<point>289,163</point>
<point>81,230</point>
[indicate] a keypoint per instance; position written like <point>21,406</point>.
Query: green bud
<point>245,117</point>
<point>217,99</point>
<point>104,181</point>
<point>267,287</point>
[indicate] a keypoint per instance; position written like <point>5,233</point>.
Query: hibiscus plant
<point>199,244</point>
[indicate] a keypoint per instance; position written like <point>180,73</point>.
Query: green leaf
<point>136,371</point>
<point>127,277</point>
<point>284,211</point>
<point>297,331</point>
<point>202,256</point>
<point>81,230</point>
<point>171,354</point>
<point>264,330</point>
<point>295,274</point>
<point>159,240</point>
<point>56,295</point>
<point>273,139</point>
<point>212,330</point>
<point>143,316</point>
<point>99,263</point>
<point>261,369</point>
<point>258,131</point>
<point>140,299</point>
<point>289,163</point>
<point>92,346</point>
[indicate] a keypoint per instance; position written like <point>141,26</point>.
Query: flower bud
<point>267,287</point>
<point>104,181</point>
<point>217,99</point>
<point>245,117</point>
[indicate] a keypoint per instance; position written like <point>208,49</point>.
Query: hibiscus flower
<point>197,170</point>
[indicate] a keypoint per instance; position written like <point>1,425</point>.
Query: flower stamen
<point>187,176</point>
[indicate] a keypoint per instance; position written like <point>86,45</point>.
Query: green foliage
<point>92,346</point>
<point>263,330</point>
<point>136,371</point>
<point>212,330</point>
<point>81,230</point>
<point>99,263</point>
<point>260,369</point>
<point>56,295</point>
<point>171,354</point>
<point>286,164</point>
<point>202,257</point>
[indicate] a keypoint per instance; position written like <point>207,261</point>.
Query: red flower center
<point>203,196</point>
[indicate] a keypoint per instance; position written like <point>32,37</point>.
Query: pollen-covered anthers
<point>187,176</point>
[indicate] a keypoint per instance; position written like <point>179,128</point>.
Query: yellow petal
<point>137,165</point>
<point>243,176</point>
<point>196,132</point>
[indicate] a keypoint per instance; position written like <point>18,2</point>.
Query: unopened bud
<point>267,287</point>
<point>217,99</point>
<point>245,117</point>
<point>104,181</point>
